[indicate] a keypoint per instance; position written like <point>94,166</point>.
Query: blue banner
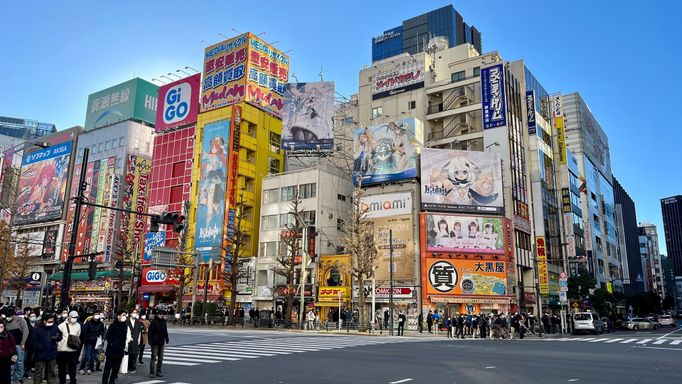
<point>530,110</point>
<point>492,95</point>
<point>153,240</point>
<point>48,153</point>
<point>212,186</point>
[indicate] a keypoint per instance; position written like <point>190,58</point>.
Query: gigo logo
<point>178,102</point>
<point>156,276</point>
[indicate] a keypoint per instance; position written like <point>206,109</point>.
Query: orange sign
<point>543,276</point>
<point>465,277</point>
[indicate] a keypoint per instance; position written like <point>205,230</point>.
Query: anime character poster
<point>461,181</point>
<point>386,152</point>
<point>42,185</point>
<point>308,119</point>
<point>212,185</point>
<point>464,234</point>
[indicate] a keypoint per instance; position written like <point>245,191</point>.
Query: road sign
<point>576,305</point>
<point>36,277</point>
<point>562,276</point>
<point>562,297</point>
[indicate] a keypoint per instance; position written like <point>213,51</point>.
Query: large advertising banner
<point>308,118</point>
<point>152,240</point>
<point>72,208</point>
<point>407,75</point>
<point>461,181</point>
<point>178,103</point>
<point>135,199</point>
<point>386,204</point>
<point>543,274</point>
<point>224,73</point>
<point>334,277</point>
<point>212,185</point>
<point>268,72</point>
<point>493,97</point>
<point>386,152</point>
<point>403,247</point>
<point>42,185</point>
<point>134,98</point>
<point>530,112</point>
<point>465,277</point>
<point>464,234</point>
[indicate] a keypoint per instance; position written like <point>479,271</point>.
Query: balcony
<point>248,142</point>
<point>462,124</point>
<point>444,104</point>
<point>247,169</point>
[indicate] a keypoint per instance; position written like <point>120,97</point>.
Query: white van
<point>587,322</point>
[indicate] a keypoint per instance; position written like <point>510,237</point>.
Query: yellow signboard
<point>543,275</point>
<point>334,278</point>
<point>560,138</point>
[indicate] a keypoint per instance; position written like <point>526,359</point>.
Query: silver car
<point>641,323</point>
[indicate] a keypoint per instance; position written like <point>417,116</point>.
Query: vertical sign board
<point>559,128</point>
<point>492,97</point>
<point>212,187</point>
<point>566,200</point>
<point>543,275</point>
<point>530,112</point>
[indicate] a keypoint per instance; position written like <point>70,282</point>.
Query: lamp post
<point>390,269</point>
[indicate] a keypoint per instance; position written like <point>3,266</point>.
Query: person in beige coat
<point>144,340</point>
<point>67,357</point>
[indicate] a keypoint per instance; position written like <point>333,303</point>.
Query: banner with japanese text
<point>465,277</point>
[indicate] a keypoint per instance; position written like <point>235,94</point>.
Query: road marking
<point>182,356</point>
<point>572,380</point>
<point>659,342</point>
<point>179,363</point>
<point>628,341</point>
<point>174,358</point>
<point>598,340</point>
<point>670,333</point>
<point>675,342</point>
<point>588,339</point>
<point>151,382</point>
<point>614,340</point>
<point>663,348</point>
<point>490,367</point>
<point>644,341</point>
<point>400,381</point>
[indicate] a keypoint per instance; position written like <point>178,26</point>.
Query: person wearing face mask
<point>46,335</point>
<point>143,337</point>
<point>158,337</point>
<point>19,329</point>
<point>8,354</point>
<point>31,320</point>
<point>135,329</point>
<point>116,347</point>
<point>63,316</point>
<point>91,331</point>
<point>67,356</point>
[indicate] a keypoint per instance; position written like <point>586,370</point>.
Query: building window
<point>347,121</point>
<point>270,196</point>
<point>411,104</point>
<point>137,143</point>
<point>268,223</point>
<point>458,76</point>
<point>288,193</point>
<point>339,224</point>
<point>268,249</point>
<point>287,220</point>
<point>308,217</point>
<point>176,194</point>
<point>273,166</point>
<point>377,112</point>
<point>307,190</point>
<point>275,142</point>
<point>341,197</point>
<point>477,71</point>
<point>178,169</point>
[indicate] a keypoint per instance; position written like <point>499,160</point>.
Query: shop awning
<point>330,304</point>
<point>209,298</point>
<point>84,275</point>
<point>156,288</point>
<point>472,299</point>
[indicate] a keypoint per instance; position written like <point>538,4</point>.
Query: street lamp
<point>495,144</point>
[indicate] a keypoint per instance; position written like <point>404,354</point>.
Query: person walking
<point>158,337</point>
<point>386,319</point>
<point>135,330</point>
<point>401,324</point>
<point>483,327</point>
<point>46,335</point>
<point>420,322</point>
<point>460,327</point>
<point>8,354</point>
<point>448,325</point>
<point>67,348</point>
<point>514,322</point>
<point>143,337</point>
<point>92,330</point>
<point>116,347</point>
<point>429,321</point>
<point>28,353</point>
<point>436,322</point>
<point>17,326</point>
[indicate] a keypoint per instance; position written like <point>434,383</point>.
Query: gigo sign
<point>179,103</point>
<point>153,276</point>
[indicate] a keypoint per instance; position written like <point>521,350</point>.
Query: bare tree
<point>237,238</point>
<point>287,258</point>
<point>19,267</point>
<point>357,234</point>
<point>184,273</point>
<point>7,253</point>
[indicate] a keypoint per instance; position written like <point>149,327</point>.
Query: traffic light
<point>92,270</point>
<point>154,225</point>
<point>174,219</point>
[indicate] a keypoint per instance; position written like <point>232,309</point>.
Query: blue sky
<point>624,57</point>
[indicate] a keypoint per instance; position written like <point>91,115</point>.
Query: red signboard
<point>178,103</point>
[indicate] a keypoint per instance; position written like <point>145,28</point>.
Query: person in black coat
<point>46,335</point>
<point>8,354</point>
<point>135,326</point>
<point>158,337</point>
<point>92,330</point>
<point>116,347</point>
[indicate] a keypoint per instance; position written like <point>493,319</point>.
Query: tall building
<point>648,244</point>
<point>672,227</point>
<point>14,130</point>
<point>628,240</point>
<point>586,139</point>
<point>237,143</point>
<point>414,34</point>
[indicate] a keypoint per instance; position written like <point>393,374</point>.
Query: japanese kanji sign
<point>465,277</point>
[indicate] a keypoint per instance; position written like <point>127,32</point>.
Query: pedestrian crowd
<point>41,345</point>
<point>502,326</point>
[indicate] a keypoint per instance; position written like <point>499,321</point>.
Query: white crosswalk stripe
<point>659,342</point>
<point>676,342</point>
<point>159,382</point>
<point>644,341</point>
<point>613,340</point>
<point>628,341</point>
<point>230,351</point>
<point>634,342</point>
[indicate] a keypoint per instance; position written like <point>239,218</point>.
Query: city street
<point>204,355</point>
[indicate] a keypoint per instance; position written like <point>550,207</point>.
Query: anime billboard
<point>308,119</point>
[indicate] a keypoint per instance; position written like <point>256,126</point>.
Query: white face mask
<point>73,319</point>
<point>32,319</point>
<point>135,316</point>
<point>96,317</point>
<point>144,317</point>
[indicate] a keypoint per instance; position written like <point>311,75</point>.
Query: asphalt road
<point>254,356</point>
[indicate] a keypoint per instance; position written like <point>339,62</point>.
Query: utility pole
<point>68,264</point>
<point>208,274</point>
<point>194,288</point>
<point>301,306</point>
<point>390,289</point>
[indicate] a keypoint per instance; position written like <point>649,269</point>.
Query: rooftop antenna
<point>321,78</point>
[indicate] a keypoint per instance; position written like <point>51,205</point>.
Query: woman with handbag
<point>116,347</point>
<point>68,347</point>
<point>8,355</point>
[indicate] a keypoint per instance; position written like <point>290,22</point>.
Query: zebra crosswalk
<point>228,351</point>
<point>665,342</point>
<point>160,382</point>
